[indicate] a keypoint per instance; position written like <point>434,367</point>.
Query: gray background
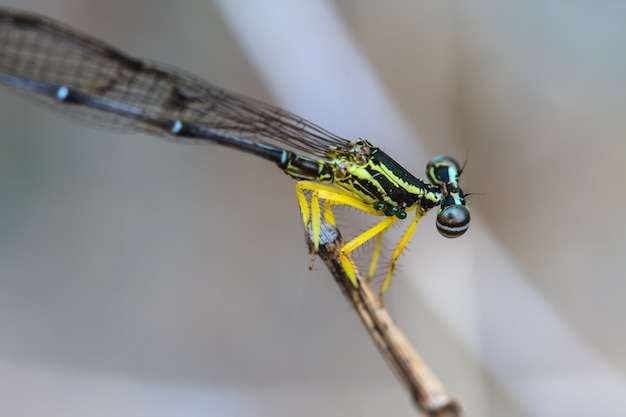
<point>138,277</point>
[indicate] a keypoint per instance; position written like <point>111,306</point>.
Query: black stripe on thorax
<point>395,190</point>
<point>381,158</point>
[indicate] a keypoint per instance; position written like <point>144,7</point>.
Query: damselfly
<point>97,84</point>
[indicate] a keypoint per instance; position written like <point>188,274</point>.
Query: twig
<point>426,390</point>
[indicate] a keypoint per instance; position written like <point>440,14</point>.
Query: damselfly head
<point>453,217</point>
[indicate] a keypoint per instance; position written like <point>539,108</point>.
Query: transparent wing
<point>39,50</point>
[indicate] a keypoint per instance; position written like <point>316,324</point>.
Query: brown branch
<point>426,390</point>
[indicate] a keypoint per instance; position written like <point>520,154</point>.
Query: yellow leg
<point>316,222</point>
<point>329,216</point>
<point>332,196</point>
<point>335,196</point>
<point>396,253</point>
<point>304,205</point>
<point>368,234</point>
<point>313,214</point>
<point>375,256</point>
<point>377,229</point>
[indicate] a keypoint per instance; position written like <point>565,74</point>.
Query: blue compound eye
<point>453,221</point>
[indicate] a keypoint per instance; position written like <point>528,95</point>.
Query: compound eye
<point>442,169</point>
<point>453,221</point>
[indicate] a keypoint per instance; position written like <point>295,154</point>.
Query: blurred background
<point>140,277</point>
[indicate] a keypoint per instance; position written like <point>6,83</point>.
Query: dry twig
<point>426,390</point>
